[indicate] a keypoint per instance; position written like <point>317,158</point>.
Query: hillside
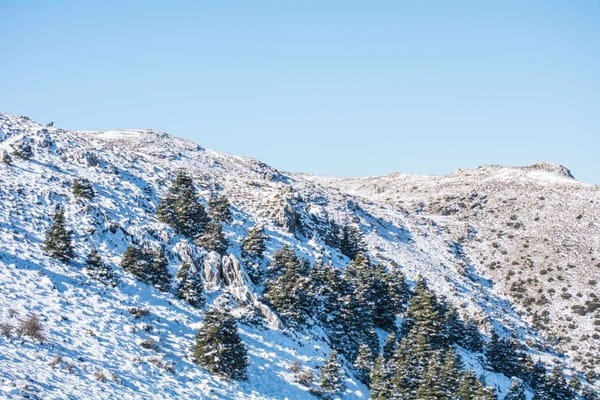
<point>516,250</point>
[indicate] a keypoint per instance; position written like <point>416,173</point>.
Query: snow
<point>90,328</point>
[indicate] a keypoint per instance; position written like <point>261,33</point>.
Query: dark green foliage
<point>556,386</point>
<point>99,270</point>
<point>190,287</point>
<point>23,150</point>
<point>380,382</point>
<point>425,316</point>
<point>471,338</point>
<point>253,245</point>
<point>287,290</point>
<point>471,388</point>
<point>331,374</point>
<point>589,394</point>
<point>219,347</point>
<point>213,239</point>
<point>83,188</point>
<point>352,242</point>
<point>58,238</point>
<point>451,373</point>
<point>181,209</point>
<point>219,209</point>
<point>6,158</point>
<point>148,265</point>
<point>390,346</point>
<point>516,391</point>
<point>430,387</point>
<point>363,363</point>
<point>502,356</point>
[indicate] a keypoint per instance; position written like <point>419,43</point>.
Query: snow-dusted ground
<point>90,332</point>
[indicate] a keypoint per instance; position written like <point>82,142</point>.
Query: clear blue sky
<point>341,88</point>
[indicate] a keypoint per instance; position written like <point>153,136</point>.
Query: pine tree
<point>219,347</point>
<point>575,384</point>
<point>380,382</point>
<point>363,363</point>
<point>181,209</point>
<point>23,150</point>
<point>557,387</point>
<point>289,293</point>
<point>58,238</point>
<point>390,346</point>
<point>98,270</point>
<point>425,316</point>
<point>331,374</point>
<point>352,242</point>
<point>450,376</point>
<point>190,286</point>
<point>213,238</point>
<point>219,209</point>
<point>589,394</point>
<point>6,158</point>
<point>430,387</point>
<point>253,245</point>
<point>150,266</point>
<point>516,391</point>
<point>502,356</point>
<point>83,188</point>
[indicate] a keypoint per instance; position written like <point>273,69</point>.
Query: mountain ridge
<point>443,238</point>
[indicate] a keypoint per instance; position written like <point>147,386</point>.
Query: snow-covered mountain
<point>515,249</point>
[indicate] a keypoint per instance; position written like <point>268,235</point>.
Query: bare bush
<point>100,376</point>
<point>138,312</point>
<point>6,329</point>
<point>32,327</point>
<point>149,344</point>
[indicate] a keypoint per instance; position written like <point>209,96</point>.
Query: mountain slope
<point>417,225</point>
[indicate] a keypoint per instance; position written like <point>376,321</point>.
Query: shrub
<point>32,327</point>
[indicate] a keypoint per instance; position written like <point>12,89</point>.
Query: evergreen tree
<point>218,346</point>
<point>380,382</point>
<point>181,209</point>
<point>253,245</point>
<point>431,387</point>
<point>6,158</point>
<point>83,188</point>
<point>516,391</point>
<point>58,238</point>
<point>472,388</point>
<point>331,374</point>
<point>99,270</point>
<point>450,375</point>
<point>190,286</point>
<point>289,293</point>
<point>363,363</point>
<point>557,387</point>
<point>23,150</point>
<point>575,384</point>
<point>219,209</point>
<point>589,394</point>
<point>425,316</point>
<point>213,238</point>
<point>150,266</point>
<point>502,356</point>
<point>389,347</point>
<point>352,242</point>
<point>471,338</point>
<point>398,290</point>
